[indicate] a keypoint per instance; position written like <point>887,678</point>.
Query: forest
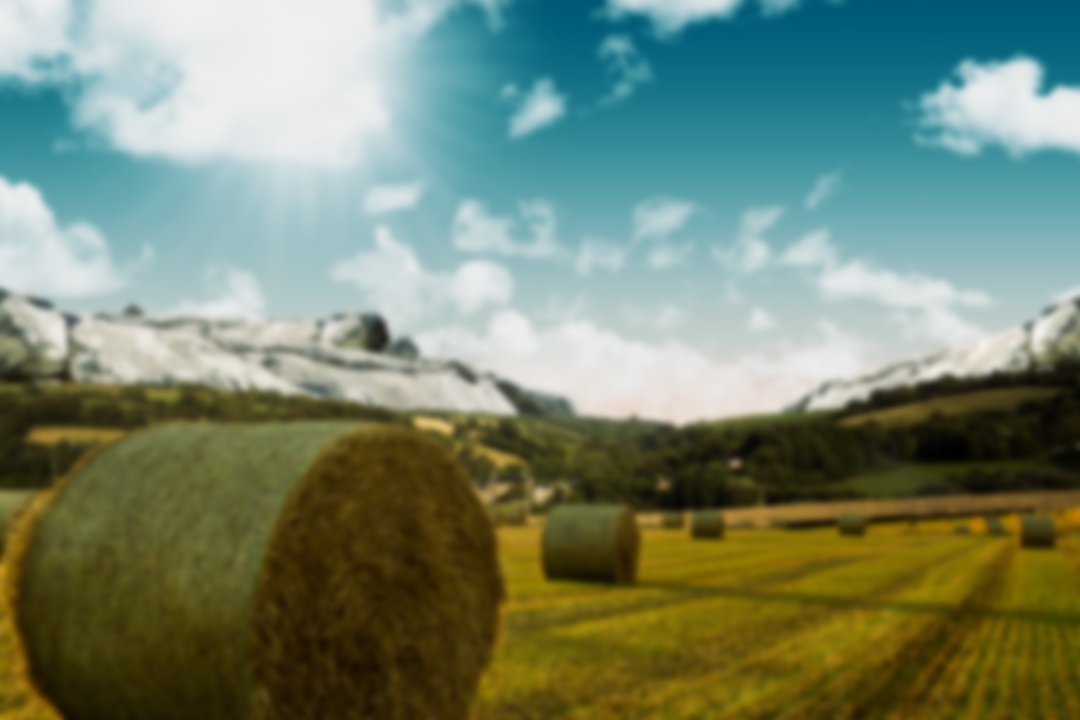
<point>788,457</point>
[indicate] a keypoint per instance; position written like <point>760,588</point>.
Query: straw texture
<point>264,572</point>
<point>673,521</point>
<point>994,526</point>
<point>591,542</point>
<point>852,524</point>
<point>707,524</point>
<point>511,513</point>
<point>1037,531</point>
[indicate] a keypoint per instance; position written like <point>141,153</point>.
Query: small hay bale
<point>707,524</point>
<point>591,542</point>
<point>199,571</point>
<point>994,526</point>
<point>512,513</point>
<point>673,521</point>
<point>962,529</point>
<point>1037,531</point>
<point>852,524</point>
<point>12,505</point>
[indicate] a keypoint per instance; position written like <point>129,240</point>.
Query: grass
<point>54,435</point>
<point>904,622</point>
<point>996,400</point>
<point>764,422</point>
<point>903,480</point>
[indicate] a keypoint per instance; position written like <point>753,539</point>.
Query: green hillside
<point>986,435</point>
<point>995,400</point>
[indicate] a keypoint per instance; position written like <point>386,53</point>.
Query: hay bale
<point>852,524</point>
<point>1037,531</point>
<point>591,542</point>
<point>994,526</point>
<point>707,524</point>
<point>673,521</point>
<point>512,513</point>
<point>12,505</point>
<point>962,529</point>
<point>261,572</point>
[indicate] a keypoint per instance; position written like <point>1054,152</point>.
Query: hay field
<point>56,434</point>
<point>980,401</point>
<point>902,623</point>
<point>905,622</point>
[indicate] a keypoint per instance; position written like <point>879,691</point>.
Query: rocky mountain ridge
<point>1054,334</point>
<point>347,356</point>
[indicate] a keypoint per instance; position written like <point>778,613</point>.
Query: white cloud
<point>750,252</point>
<point>626,64</point>
<point>605,373</point>
<point>32,35</point>
<point>824,188</point>
<point>1001,104</point>
<point>670,17</point>
<point>813,250</point>
<point>199,80</point>
<point>857,279</point>
<point>478,283</point>
<point>39,256</point>
<point>760,321</point>
<point>475,230</point>
<point>756,221</point>
<point>541,107</point>
<point>233,294</point>
<point>396,284</point>
<point>668,255</point>
<point>660,216</point>
<point>385,199</point>
<point>925,307</point>
<point>595,253</point>
<point>772,8</point>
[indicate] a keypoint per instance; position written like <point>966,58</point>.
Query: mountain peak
<point>1053,335</point>
<point>348,356</point>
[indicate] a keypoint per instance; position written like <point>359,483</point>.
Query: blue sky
<point>674,208</point>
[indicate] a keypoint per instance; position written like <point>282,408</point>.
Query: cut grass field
<point>905,622</point>
<point>902,623</point>
<point>54,435</point>
<point>996,400</point>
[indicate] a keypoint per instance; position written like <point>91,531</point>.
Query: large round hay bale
<point>258,572</point>
<point>707,524</point>
<point>591,542</point>
<point>12,504</point>
<point>672,521</point>
<point>852,524</point>
<point>1037,531</point>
